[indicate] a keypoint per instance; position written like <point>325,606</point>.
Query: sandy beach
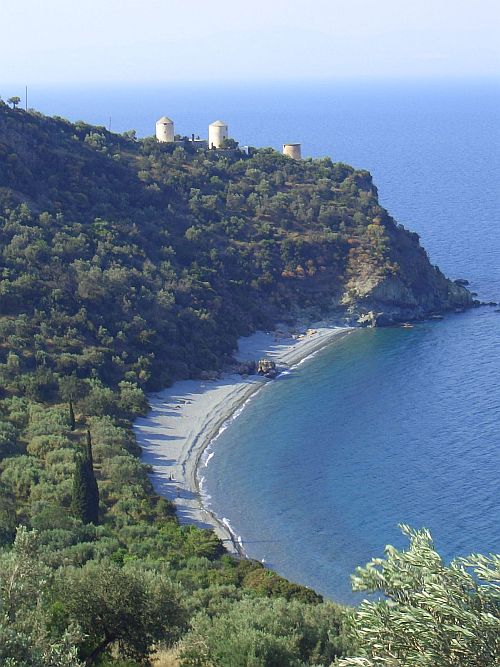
<point>186,417</point>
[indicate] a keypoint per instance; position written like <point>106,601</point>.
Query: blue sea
<point>388,425</point>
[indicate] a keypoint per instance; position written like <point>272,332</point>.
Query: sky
<point>117,41</point>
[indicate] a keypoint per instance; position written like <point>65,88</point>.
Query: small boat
<point>435,317</point>
<point>407,325</point>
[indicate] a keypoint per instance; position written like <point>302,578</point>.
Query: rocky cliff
<point>411,289</point>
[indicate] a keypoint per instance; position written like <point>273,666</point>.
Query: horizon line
<point>479,78</point>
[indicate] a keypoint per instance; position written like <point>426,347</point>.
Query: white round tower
<point>165,130</point>
<point>293,150</point>
<point>217,132</point>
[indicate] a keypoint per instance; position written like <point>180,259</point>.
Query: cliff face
<point>411,289</point>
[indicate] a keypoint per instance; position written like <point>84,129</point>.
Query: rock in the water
<point>371,319</point>
<point>267,368</point>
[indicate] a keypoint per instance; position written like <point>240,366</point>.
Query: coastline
<point>188,416</point>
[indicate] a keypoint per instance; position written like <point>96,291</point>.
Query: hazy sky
<point>43,41</point>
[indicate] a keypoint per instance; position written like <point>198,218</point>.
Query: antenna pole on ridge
<point>26,98</point>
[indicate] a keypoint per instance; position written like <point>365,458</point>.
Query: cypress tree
<point>90,458</point>
<point>92,488</point>
<point>85,497</point>
<point>79,493</point>
<point>72,420</point>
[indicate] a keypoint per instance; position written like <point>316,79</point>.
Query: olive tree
<point>431,613</point>
<point>127,609</point>
<point>8,439</point>
<point>14,101</point>
<point>25,636</point>
<point>264,632</point>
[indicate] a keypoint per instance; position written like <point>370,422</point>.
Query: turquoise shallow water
<point>387,426</point>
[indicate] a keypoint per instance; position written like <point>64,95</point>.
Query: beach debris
<point>267,368</point>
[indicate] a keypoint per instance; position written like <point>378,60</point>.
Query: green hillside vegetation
<point>126,257</point>
<point>125,265</point>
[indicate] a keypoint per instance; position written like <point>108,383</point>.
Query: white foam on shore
<point>229,421</point>
<point>207,455</point>
<point>236,537</point>
<point>303,361</point>
<point>313,354</point>
<point>205,496</point>
<point>179,434</point>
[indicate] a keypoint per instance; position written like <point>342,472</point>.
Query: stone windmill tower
<point>165,130</point>
<point>217,132</point>
<point>292,150</point>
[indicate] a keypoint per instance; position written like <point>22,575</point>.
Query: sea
<point>387,426</point>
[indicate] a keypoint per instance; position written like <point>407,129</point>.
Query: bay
<point>387,426</point>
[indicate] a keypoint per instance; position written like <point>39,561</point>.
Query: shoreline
<point>187,417</point>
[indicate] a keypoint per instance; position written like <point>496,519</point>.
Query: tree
<point>132,400</point>
<point>85,495</point>
<point>72,420</point>
<point>88,450</point>
<point>8,439</point>
<point>71,389</point>
<point>25,636</point>
<point>130,134</point>
<point>79,499</point>
<point>126,608</point>
<point>265,633</point>
<point>432,614</point>
<point>8,517</point>
<point>229,143</point>
<point>14,101</point>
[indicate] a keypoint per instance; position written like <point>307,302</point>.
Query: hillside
<point>173,255</point>
<point>124,265</point>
